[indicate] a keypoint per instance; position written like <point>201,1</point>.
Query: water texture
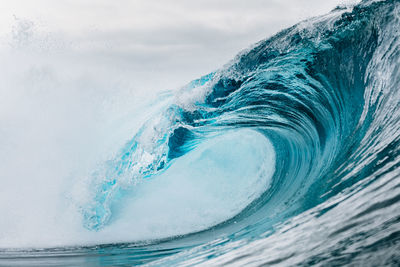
<point>288,155</point>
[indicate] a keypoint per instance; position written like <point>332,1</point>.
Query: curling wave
<point>300,136</point>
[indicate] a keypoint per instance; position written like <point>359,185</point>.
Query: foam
<point>209,185</point>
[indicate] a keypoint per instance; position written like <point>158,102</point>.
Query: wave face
<point>288,155</point>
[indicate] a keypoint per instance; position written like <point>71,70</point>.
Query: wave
<point>287,155</point>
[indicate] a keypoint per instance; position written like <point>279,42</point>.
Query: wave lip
<point>296,139</point>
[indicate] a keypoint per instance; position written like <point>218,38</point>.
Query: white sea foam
<point>62,113</point>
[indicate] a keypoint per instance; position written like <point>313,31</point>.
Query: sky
<point>172,38</point>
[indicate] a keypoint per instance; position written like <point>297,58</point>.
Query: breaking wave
<point>287,155</point>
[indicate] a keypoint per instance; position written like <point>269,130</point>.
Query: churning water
<point>288,155</point>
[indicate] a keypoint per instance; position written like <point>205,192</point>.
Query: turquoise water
<point>288,155</point>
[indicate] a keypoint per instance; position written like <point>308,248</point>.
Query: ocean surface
<point>288,155</point>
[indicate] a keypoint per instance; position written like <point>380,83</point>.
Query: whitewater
<point>287,155</point>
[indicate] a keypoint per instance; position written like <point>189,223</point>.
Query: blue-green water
<point>288,155</point>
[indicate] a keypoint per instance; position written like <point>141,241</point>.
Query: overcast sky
<point>180,39</point>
